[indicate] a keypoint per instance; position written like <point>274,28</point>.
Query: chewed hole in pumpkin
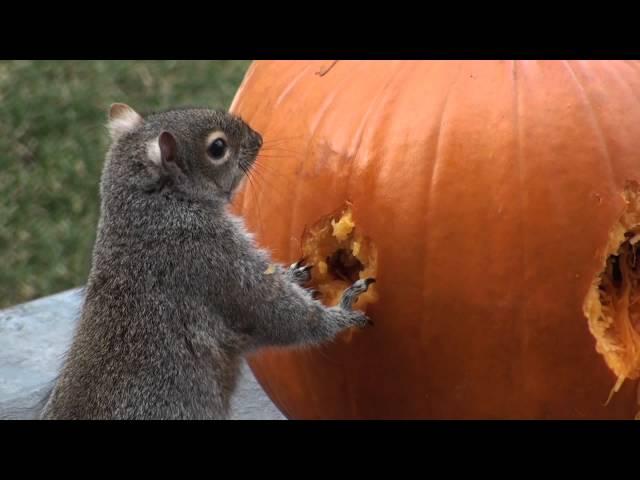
<point>343,265</point>
<point>612,305</point>
<point>340,254</point>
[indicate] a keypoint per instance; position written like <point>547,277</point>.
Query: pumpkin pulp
<point>612,305</point>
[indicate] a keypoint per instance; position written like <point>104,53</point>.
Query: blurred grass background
<point>52,145</point>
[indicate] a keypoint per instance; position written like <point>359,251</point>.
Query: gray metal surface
<point>35,335</point>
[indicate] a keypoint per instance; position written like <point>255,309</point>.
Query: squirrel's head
<point>192,151</point>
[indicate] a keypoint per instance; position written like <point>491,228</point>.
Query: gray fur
<point>178,291</point>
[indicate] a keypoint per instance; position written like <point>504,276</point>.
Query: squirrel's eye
<point>217,149</point>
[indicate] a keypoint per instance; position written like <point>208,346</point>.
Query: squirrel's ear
<point>163,152</point>
<point>168,147</point>
<point>122,119</point>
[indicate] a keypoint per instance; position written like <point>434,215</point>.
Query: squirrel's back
<point>148,344</point>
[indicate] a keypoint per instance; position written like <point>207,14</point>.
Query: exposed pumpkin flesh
<point>340,254</point>
<point>612,305</point>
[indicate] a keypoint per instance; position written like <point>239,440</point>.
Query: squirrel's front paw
<point>359,319</point>
<point>352,293</point>
<point>299,272</point>
<point>362,285</point>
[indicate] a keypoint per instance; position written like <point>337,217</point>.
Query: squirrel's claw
<point>299,273</point>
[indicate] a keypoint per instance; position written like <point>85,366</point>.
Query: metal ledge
<point>35,335</point>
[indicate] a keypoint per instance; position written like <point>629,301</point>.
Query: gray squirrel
<point>178,290</point>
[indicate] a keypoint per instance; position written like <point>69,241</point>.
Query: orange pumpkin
<point>497,205</point>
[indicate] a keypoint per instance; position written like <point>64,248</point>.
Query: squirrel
<point>178,290</point>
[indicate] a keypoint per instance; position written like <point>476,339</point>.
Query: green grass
<point>52,145</point>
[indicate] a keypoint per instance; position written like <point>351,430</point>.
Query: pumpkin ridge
<point>520,324</point>
<point>429,185</point>
<point>285,93</point>
<point>628,86</point>
<point>597,127</point>
<point>317,121</point>
<point>373,107</point>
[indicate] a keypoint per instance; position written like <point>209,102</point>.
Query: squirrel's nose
<point>258,138</point>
